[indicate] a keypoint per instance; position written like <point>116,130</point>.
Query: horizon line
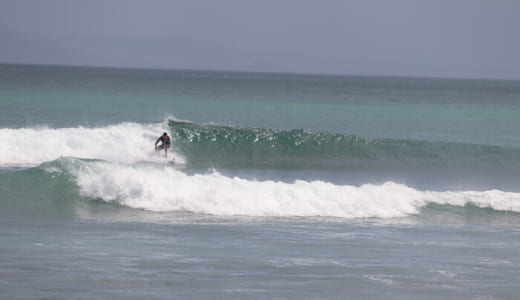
<point>254,71</point>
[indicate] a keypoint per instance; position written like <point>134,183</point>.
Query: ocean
<point>277,186</point>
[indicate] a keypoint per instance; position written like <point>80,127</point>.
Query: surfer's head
<point>164,134</point>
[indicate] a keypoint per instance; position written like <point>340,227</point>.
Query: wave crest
<point>227,146</point>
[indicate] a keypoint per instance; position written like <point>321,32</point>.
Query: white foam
<point>125,143</point>
<point>167,189</point>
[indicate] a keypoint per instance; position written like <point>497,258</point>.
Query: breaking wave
<point>166,189</point>
<point>217,146</point>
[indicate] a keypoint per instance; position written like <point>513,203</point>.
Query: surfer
<point>165,143</point>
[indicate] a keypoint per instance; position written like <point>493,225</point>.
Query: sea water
<point>278,186</point>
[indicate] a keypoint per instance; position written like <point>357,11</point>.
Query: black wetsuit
<point>165,142</point>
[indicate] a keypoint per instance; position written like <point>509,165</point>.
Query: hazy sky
<point>441,38</point>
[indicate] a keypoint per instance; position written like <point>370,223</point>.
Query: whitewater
<point>151,188</point>
<point>126,143</point>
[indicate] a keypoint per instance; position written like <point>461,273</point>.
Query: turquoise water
<point>276,186</point>
<point>466,111</point>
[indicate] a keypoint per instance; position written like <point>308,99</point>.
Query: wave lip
<point>167,190</point>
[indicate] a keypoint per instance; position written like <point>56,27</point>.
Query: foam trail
<point>167,189</point>
<point>125,143</point>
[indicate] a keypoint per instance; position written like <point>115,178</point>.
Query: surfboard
<point>156,164</point>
